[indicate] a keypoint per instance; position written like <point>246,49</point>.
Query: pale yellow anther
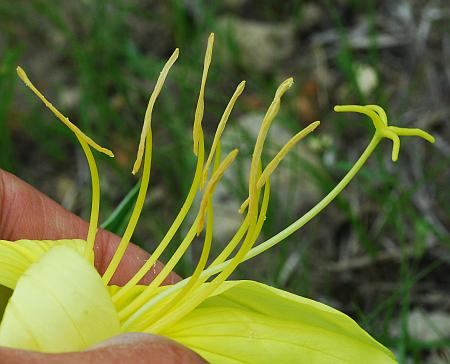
<point>284,86</point>
<point>146,137</point>
<point>272,111</point>
<point>215,178</point>
<point>85,143</point>
<point>23,76</point>
<point>283,152</point>
<point>151,103</point>
<point>221,128</point>
<point>201,97</point>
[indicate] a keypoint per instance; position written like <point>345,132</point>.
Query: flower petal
<point>59,304</point>
<point>17,256</point>
<point>249,322</point>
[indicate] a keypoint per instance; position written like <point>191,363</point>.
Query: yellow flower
<point>60,302</point>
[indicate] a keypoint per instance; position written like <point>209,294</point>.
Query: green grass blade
<point>119,217</point>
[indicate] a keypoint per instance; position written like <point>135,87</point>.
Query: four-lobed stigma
<point>382,127</point>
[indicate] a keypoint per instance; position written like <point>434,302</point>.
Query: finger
<point>133,348</point>
<point>26,213</point>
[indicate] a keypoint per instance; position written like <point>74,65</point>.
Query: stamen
<point>123,291</point>
<point>142,319</point>
<point>225,253</point>
<point>163,309</point>
<point>240,233</point>
<point>123,244</point>
<point>162,275</point>
<point>95,207</point>
<point>250,238</point>
<point>255,170</point>
<point>147,136</point>
<point>199,147</point>
<point>201,97</point>
<point>23,76</point>
<point>221,128</point>
<point>175,258</point>
<point>244,205</point>
<point>168,267</point>
<point>186,241</point>
<point>151,103</point>
<point>284,150</point>
<point>85,143</point>
<point>255,165</point>
<point>282,235</point>
<point>212,185</point>
<point>264,207</point>
<point>195,297</point>
<point>267,121</point>
<point>272,111</point>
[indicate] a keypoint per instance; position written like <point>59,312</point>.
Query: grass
<point>99,60</point>
<point>7,85</point>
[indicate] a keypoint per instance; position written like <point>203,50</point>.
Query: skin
<point>26,213</point>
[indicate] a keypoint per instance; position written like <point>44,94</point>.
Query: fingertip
<point>134,346</point>
<point>130,348</point>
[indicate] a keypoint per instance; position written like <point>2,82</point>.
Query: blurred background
<point>380,252</point>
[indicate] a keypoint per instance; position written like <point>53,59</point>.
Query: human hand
<point>26,213</point>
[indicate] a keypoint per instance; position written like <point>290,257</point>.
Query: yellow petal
<point>248,322</point>
<point>17,256</point>
<point>59,304</point>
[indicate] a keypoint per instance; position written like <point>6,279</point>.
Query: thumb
<point>26,213</point>
<point>133,348</point>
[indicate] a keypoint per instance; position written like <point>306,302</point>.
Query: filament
<point>85,143</point>
<point>285,150</point>
<point>147,136</point>
<point>199,110</point>
<point>221,128</point>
